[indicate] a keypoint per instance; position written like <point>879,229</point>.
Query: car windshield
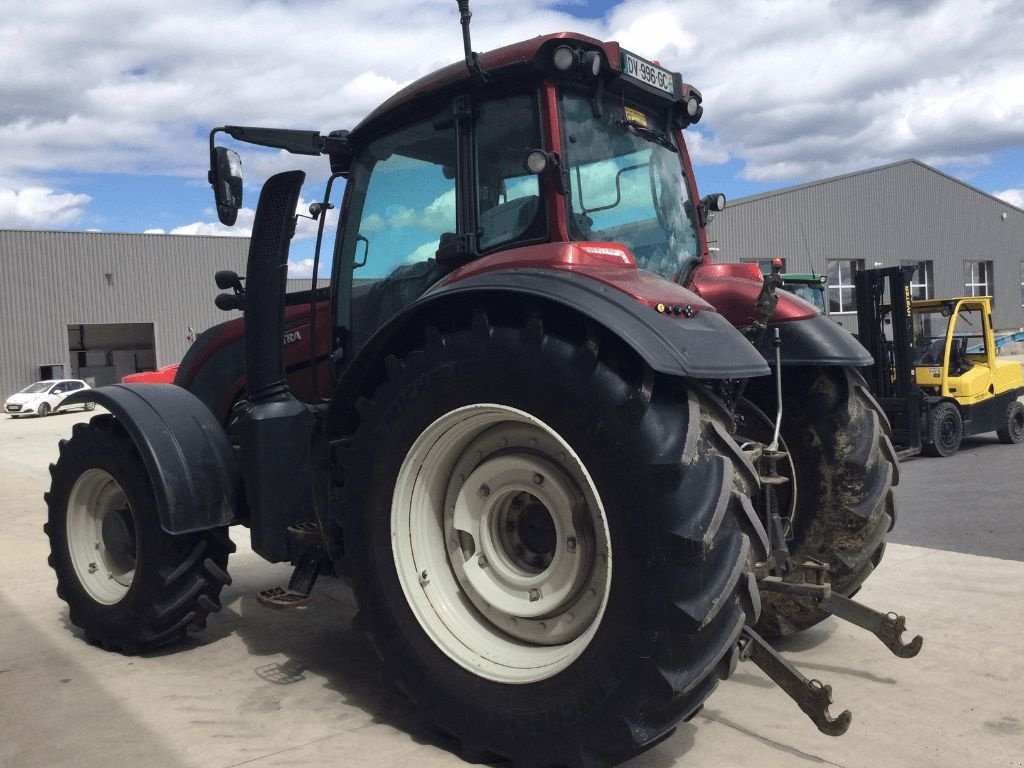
<point>35,389</point>
<point>626,182</point>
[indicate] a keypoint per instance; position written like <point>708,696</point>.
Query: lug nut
<point>534,595</point>
<point>481,561</point>
<point>484,492</point>
<point>538,479</point>
<point>571,544</point>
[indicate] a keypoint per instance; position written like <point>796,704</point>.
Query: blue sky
<point>111,134</point>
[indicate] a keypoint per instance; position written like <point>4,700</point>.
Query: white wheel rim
<point>501,543</point>
<point>101,537</point>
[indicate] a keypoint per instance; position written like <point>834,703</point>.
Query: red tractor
<point>572,470</point>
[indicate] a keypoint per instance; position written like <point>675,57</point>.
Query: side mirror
<point>708,204</point>
<point>226,179</point>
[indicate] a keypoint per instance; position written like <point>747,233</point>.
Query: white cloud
<point>803,90</point>
<point>1014,197</point>
<point>300,268</point>
<point>794,90</point>
<point>40,208</point>
<point>305,228</point>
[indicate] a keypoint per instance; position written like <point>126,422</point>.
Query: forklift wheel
<point>1013,432</point>
<point>945,431</point>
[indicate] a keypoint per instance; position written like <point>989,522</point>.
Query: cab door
<point>968,356</point>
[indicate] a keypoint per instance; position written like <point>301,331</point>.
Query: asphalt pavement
<point>261,688</point>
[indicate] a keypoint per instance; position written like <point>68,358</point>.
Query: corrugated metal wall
<point>904,211</point>
<point>56,279</point>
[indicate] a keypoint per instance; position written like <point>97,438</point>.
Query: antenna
<point>472,59</point>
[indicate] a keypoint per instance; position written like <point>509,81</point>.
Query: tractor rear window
<point>626,183</point>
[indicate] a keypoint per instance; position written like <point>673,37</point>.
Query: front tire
<point>1013,432</point>
<point>43,410</point>
<point>945,431</point>
<point>550,549</point>
<point>840,506</point>
<point>128,584</point>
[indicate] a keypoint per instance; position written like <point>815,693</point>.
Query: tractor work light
<point>536,161</point>
<point>563,58</point>
<point>692,105</point>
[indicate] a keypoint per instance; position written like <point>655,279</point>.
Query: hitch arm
<point>887,627</point>
<point>812,696</point>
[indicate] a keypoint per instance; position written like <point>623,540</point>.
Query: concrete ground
<point>261,688</point>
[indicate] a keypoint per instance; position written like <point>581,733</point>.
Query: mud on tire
<point>846,467</point>
<point>128,584</point>
<point>662,500</point>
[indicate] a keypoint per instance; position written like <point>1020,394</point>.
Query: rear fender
<point>703,346</point>
<point>808,337</point>
<point>815,341</point>
<point>186,452</point>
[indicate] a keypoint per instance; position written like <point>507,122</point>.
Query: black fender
<point>185,450</point>
<point>815,341</point>
<point>704,346</point>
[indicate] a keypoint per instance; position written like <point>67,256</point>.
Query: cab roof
<point>521,54</point>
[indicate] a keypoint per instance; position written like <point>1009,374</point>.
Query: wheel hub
<point>500,543</point>
<point>101,536</point>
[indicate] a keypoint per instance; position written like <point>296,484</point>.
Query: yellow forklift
<point>936,374</point>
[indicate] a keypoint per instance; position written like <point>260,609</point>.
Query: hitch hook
<point>812,696</point>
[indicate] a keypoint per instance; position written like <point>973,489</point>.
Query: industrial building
<point>98,306</point>
<point>963,241</point>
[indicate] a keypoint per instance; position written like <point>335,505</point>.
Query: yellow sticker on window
<point>636,116</point>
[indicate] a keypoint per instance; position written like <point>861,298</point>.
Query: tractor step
<point>300,586</point>
<point>281,598</point>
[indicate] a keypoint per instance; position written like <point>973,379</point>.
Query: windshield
<point>812,293</point>
<point>626,183</point>
<point>932,325</point>
<point>39,386</point>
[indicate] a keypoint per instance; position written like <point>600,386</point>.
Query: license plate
<point>646,72</point>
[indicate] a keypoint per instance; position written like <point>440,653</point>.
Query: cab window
<point>508,196</point>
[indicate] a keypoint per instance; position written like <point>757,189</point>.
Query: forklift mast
<point>891,377</point>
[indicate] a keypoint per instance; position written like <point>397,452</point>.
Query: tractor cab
<point>562,139</point>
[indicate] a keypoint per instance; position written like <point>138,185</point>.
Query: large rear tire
<point>552,552</point>
<point>128,584</point>
<point>840,506</point>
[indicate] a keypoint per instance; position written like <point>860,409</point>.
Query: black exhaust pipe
<point>265,277</point>
<point>275,428</point>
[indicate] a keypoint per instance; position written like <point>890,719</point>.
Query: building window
<point>922,284</point>
<point>765,265</point>
<point>841,297</point>
<point>978,278</point>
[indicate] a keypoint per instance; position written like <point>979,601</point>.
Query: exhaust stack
<point>274,430</point>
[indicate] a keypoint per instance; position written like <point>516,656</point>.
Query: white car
<point>45,397</point>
